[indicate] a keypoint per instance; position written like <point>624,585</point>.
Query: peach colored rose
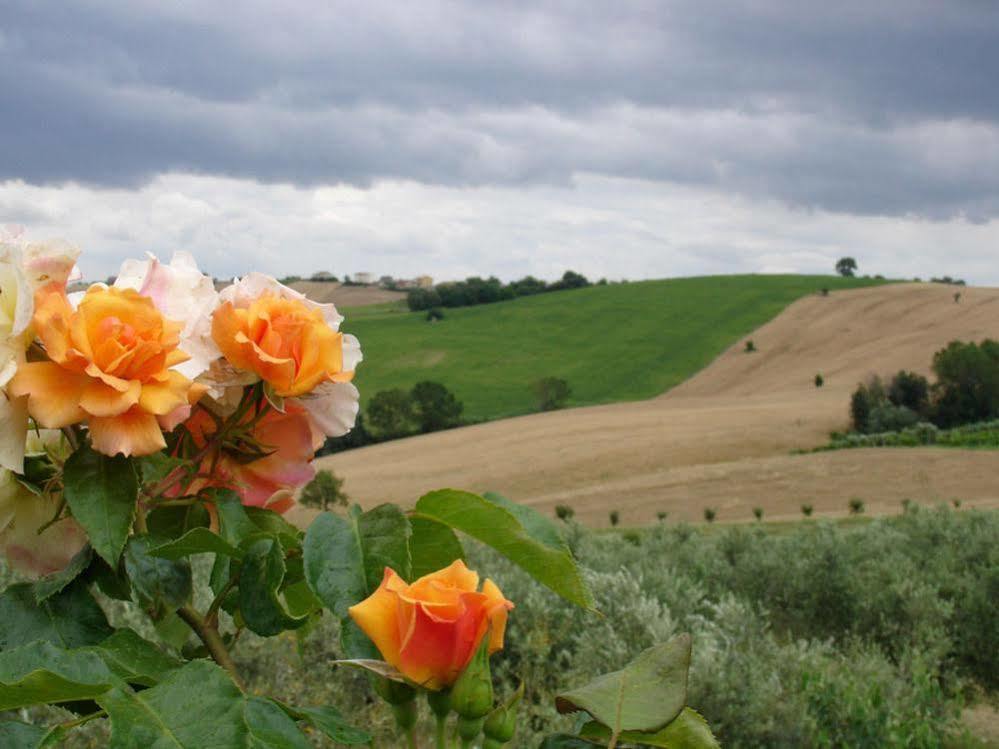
<point>267,481</point>
<point>279,335</point>
<point>430,629</point>
<point>110,366</point>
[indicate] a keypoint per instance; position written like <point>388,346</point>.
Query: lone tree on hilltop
<point>846,267</point>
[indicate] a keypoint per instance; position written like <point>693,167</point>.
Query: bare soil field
<point>723,438</point>
<point>346,296</point>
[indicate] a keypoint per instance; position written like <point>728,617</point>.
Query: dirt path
<point>722,438</point>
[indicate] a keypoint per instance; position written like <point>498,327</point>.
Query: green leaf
<point>433,546</point>
<point>538,527</point>
<point>301,600</point>
<point>643,696</point>
<point>70,618</point>
<point>101,493</point>
<point>134,659</point>
<point>156,467</point>
<point>271,523</point>
<point>49,585</point>
<point>162,583</point>
<point>270,727</point>
<point>259,582</point>
<point>195,541</point>
<point>235,524</point>
<point>17,735</point>
<point>195,707</point>
<point>565,741</point>
<point>331,722</point>
<point>688,730</point>
<point>497,527</point>
<point>334,562</point>
<point>42,673</point>
<point>112,582</point>
<point>384,533</point>
<point>174,522</point>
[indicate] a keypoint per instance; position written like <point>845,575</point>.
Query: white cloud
<point>600,226</point>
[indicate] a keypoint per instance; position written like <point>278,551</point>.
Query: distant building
<point>424,282</point>
<point>364,278</point>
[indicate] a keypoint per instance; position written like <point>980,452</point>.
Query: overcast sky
<point>620,139</point>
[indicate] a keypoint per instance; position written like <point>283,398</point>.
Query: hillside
<point>722,438</point>
<point>611,343</point>
<point>346,296</point>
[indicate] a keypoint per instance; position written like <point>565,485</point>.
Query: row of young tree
<point>966,390</point>
<point>476,290</point>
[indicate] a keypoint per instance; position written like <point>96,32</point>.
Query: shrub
<point>435,407</point>
<point>422,299</point>
<point>391,413</point>
<point>819,380</point>
<point>886,417</point>
<point>856,506</point>
<point>758,513</point>
<point>434,314</point>
<point>967,387</point>
<point>552,393</point>
<point>910,390</point>
<point>956,503</point>
<point>806,510</point>
<point>324,491</point>
<point>615,517</point>
<point>750,346</point>
<point>661,516</point>
<point>564,512</point>
<point>824,291</point>
<point>710,513</point>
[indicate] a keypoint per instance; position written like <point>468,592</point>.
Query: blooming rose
<point>269,481</point>
<point>287,340</point>
<point>430,630</point>
<point>111,366</point>
<point>24,269</point>
<point>184,294</point>
<point>22,513</point>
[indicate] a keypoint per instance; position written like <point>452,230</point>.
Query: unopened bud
<point>472,693</point>
<point>501,723</point>
<point>469,729</point>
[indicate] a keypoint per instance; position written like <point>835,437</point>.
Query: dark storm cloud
<point>860,107</point>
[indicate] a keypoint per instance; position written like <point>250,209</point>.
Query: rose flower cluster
<point>243,384</point>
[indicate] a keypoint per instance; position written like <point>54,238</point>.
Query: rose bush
<point>182,423</point>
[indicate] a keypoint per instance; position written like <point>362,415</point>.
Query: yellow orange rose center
<point>109,366</point>
<point>286,343</point>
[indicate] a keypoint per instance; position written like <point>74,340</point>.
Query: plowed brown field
<point>724,437</point>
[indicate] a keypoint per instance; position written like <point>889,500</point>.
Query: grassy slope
<point>611,343</point>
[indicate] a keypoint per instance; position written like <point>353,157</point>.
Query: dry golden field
<point>723,438</point>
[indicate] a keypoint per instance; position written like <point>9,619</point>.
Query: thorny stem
<point>411,738</point>
<point>212,615</point>
<point>613,741</point>
<point>210,636</point>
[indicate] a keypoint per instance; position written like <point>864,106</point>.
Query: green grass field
<point>611,343</point>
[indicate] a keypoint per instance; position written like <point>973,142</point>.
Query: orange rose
<point>110,366</point>
<point>289,342</point>
<point>430,630</point>
<point>268,481</point>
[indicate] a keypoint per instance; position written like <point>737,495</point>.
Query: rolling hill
<point>613,343</point>
<point>722,438</point>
